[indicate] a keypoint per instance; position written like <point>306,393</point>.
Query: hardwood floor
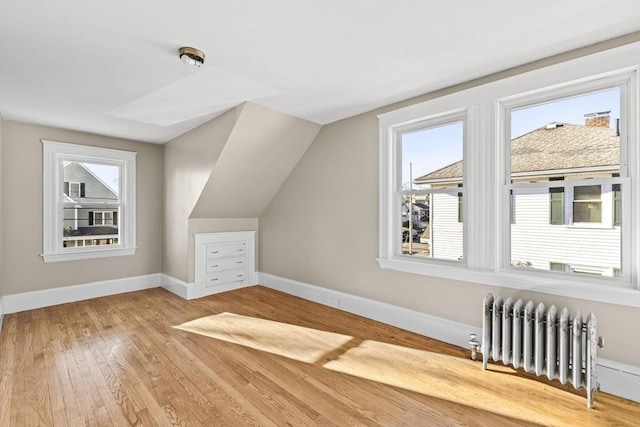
<point>259,357</point>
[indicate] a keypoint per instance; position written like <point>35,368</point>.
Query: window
<point>545,163</point>
<point>430,174</point>
<point>460,205</point>
<point>103,218</point>
<point>556,205</point>
<point>617,205</point>
<point>587,204</point>
<point>558,266</point>
<point>89,202</point>
<point>74,189</point>
<point>552,141</point>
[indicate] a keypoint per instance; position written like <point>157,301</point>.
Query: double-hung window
<point>566,153</point>
<point>88,202</point>
<point>426,218</point>
<point>529,182</point>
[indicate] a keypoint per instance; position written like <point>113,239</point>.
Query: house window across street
<point>537,190</point>
<point>103,218</point>
<point>587,203</point>
<point>89,202</point>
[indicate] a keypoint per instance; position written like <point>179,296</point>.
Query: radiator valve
<point>475,346</point>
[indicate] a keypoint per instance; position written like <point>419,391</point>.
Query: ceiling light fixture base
<point>191,56</point>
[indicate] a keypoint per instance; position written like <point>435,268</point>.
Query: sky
<point>434,148</point>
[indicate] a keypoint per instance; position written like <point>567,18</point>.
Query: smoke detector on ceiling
<point>191,56</point>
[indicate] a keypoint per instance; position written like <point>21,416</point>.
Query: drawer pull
<point>215,266</point>
<point>239,275</point>
<point>239,262</point>
<point>215,252</point>
<point>213,280</point>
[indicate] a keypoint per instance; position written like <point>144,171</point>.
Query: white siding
<point>536,241</point>
<point>446,231</point>
<point>533,239</point>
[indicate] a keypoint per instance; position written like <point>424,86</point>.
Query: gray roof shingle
<point>557,146</point>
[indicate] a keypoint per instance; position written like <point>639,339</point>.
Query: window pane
<point>537,243</point>
<point>587,192</point>
<point>556,205</point>
<point>562,140</point>
<point>572,138</point>
<point>415,217</point>
<point>434,156</point>
<point>90,196</point>
<point>557,266</point>
<point>432,159</point>
<point>587,212</point>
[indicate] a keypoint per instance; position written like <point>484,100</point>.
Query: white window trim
<point>394,233</point>
<point>485,174</point>
<point>53,155</point>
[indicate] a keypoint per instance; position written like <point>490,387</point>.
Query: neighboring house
<point>567,228</point>
<point>90,209</point>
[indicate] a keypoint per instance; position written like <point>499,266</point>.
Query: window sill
<point>591,226</point>
<point>74,256</point>
<point>609,291</point>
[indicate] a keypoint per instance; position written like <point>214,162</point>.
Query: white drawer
<point>220,264</point>
<point>227,276</point>
<point>220,251</point>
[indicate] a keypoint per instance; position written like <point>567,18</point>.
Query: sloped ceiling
<point>112,67</point>
<point>261,151</point>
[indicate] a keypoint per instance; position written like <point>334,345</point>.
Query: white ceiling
<point>112,68</point>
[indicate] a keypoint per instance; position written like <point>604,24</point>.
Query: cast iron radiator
<point>543,341</point>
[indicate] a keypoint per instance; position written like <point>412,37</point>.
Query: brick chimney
<point>599,120</point>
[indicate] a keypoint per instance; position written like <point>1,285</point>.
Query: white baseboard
<point>619,378</point>
<point>410,320</point>
<point>65,294</point>
<point>176,286</point>
<point>188,290</point>
<point>614,377</point>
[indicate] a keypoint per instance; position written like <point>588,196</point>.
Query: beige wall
<point>23,268</point>
<point>322,229</point>
<point>260,152</point>
<point>188,163</point>
<point>222,175</point>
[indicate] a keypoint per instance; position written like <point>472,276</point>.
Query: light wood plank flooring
<point>259,357</point>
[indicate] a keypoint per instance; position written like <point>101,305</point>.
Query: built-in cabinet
<point>224,261</point>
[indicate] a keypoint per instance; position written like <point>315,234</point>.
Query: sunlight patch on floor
<point>283,339</point>
<point>454,379</point>
<point>462,381</point>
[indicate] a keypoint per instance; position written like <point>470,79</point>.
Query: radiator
<point>543,341</point>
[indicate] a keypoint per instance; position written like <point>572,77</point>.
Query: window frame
<point>427,123</point>
<point>488,205</point>
<point>391,229</point>
<point>626,81</point>
<point>54,154</point>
